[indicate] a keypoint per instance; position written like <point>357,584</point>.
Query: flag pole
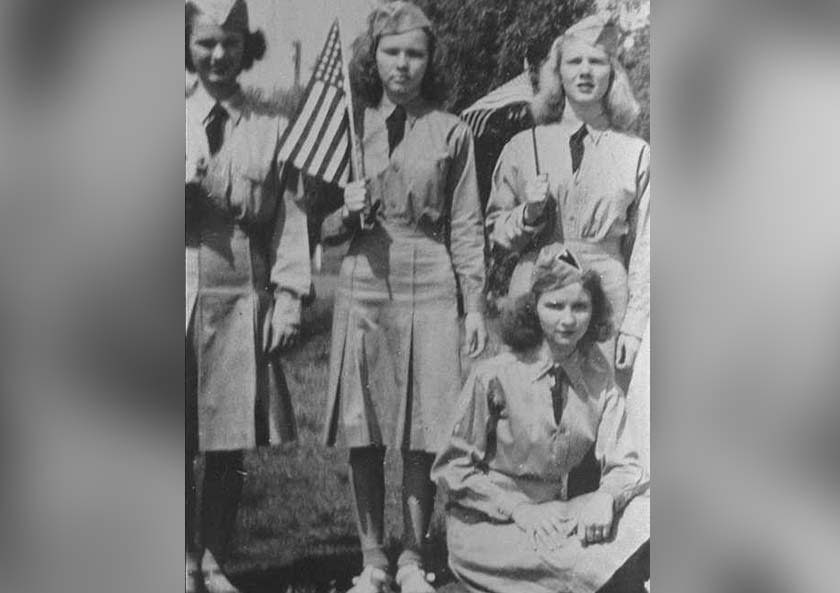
<point>356,156</point>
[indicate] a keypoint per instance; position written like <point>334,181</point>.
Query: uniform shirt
<point>606,200</point>
<point>429,182</point>
<point>506,449</point>
<point>245,182</point>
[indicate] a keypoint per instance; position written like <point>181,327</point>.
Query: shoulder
<point>598,374</point>
<point>629,144</point>
<point>505,366</point>
<point>453,127</point>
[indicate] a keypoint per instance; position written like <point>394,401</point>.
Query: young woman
<point>524,421</point>
<point>579,178</point>
<point>247,269</point>
<point>395,361</point>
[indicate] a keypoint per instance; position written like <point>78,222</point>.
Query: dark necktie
<point>576,146</point>
<point>215,128</point>
<point>396,128</point>
<point>557,375</point>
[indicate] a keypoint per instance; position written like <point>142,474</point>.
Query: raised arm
<point>505,215</point>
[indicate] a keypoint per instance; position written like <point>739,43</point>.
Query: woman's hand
<point>285,323</point>
<point>595,519</point>
<point>475,334</point>
<point>547,524</point>
<point>536,198</point>
<point>626,350</point>
<point>356,196</point>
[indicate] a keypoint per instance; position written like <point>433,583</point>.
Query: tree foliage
<point>484,44</point>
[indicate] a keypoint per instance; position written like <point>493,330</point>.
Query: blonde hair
<point>620,104</point>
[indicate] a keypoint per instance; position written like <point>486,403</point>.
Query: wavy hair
<point>364,75</point>
<point>520,323</point>
<point>255,45</point>
<point>620,104</point>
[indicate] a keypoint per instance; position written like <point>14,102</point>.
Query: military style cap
<point>399,16</point>
<point>555,268</point>
<point>231,14</point>
<point>598,29</point>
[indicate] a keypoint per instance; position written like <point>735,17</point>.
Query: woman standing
<point>394,367</point>
<point>247,269</point>
<point>579,178</point>
<point>524,420</point>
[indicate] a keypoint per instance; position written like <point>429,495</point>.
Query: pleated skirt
<point>395,368</point>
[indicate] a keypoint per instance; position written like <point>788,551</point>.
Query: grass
<point>296,532</point>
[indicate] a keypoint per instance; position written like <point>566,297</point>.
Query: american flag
<point>318,142</point>
<point>517,91</point>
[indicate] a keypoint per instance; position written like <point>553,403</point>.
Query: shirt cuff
<point>473,301</point>
<point>634,323</point>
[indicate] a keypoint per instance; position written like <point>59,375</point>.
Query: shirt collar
<point>544,361</point>
<point>386,108</point>
<point>201,104</point>
<point>595,134</point>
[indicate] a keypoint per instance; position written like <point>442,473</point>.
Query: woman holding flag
<point>247,270</point>
<point>395,365</point>
<point>579,178</point>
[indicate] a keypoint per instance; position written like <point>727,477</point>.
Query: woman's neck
<point>411,104</point>
<point>558,353</point>
<point>592,114</point>
<point>221,92</point>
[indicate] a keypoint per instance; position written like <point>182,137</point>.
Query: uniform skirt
<point>491,557</point>
<point>235,394</point>
<point>395,365</point>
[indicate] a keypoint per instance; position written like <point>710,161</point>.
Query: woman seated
<point>524,420</point>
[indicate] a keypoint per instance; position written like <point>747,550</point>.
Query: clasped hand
<point>356,197</point>
<point>536,198</point>
<point>550,524</point>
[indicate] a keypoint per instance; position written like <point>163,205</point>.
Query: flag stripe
<point>336,159</point>
<point>330,131</point>
<point>319,125</point>
<point>343,169</point>
<point>335,146</point>
<point>285,144</point>
<point>307,117</point>
<point>318,143</point>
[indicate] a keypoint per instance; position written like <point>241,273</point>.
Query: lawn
<point>295,531</point>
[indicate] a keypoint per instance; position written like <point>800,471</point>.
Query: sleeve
<point>638,246</point>
<point>505,207</point>
<point>290,266</point>
<point>460,468</point>
<point>466,238</point>
<point>622,475</point>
